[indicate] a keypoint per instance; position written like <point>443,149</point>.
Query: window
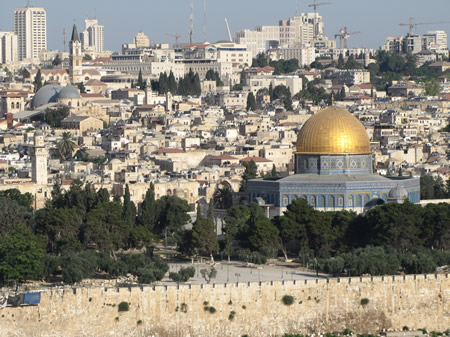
<point>340,201</point>
<point>350,200</point>
<point>332,201</point>
<point>313,201</point>
<point>285,200</point>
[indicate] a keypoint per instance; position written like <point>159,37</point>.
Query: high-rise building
<point>436,40</point>
<point>92,37</point>
<point>308,28</point>
<point>75,58</point>
<point>8,47</point>
<point>30,25</point>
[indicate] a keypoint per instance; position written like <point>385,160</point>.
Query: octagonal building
<point>333,170</point>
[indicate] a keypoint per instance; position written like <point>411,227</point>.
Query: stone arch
<point>321,201</point>
<point>332,201</point>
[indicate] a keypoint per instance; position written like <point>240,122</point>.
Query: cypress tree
<point>129,209</point>
<point>147,215</point>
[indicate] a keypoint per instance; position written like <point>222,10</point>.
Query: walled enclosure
<point>322,305</point>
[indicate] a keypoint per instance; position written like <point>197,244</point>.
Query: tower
<point>75,58</point>
<point>39,156</point>
<point>30,25</point>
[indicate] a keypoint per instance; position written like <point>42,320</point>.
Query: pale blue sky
<point>375,19</point>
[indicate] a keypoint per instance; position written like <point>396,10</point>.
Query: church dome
<point>333,130</point>
<point>69,92</point>
<point>47,94</point>
<point>398,193</point>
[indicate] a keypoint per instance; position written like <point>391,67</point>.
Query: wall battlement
<point>321,305</point>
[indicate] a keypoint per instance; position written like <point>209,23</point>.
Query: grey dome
<point>69,92</point>
<point>47,94</point>
<point>398,193</point>
<point>38,133</point>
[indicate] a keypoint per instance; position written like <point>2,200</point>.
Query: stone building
<point>333,170</point>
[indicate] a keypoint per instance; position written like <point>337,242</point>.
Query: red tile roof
<point>256,160</point>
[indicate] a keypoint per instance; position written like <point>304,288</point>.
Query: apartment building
<point>8,47</point>
<point>93,36</point>
<point>30,25</point>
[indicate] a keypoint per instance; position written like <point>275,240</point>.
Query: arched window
<point>366,199</point>
<point>350,200</point>
<point>12,105</point>
<point>321,201</point>
<point>17,105</point>
<point>358,201</point>
<point>332,201</point>
<point>340,202</point>
<point>285,200</point>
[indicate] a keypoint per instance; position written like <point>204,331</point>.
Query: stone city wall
<point>321,305</point>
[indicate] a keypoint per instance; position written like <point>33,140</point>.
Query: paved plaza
<point>230,272</point>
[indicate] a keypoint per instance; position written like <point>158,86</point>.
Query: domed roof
<point>333,130</point>
<point>69,92</point>
<point>38,132</point>
<point>47,94</point>
<point>398,193</point>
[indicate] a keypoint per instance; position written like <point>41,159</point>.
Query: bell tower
<point>39,156</point>
<point>75,58</point>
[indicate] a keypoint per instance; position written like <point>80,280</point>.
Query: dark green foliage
<point>287,300</point>
<point>251,102</point>
<point>15,212</point>
<point>202,240</point>
<point>129,208</point>
<point>212,310</point>
<point>212,75</point>
<point>223,198</point>
<point>284,94</point>
<point>20,256</point>
<point>251,172</point>
<point>312,93</point>
<point>284,66</point>
<point>123,306</point>
<point>37,81</point>
<point>433,188</point>
<point>54,116</point>
<point>141,84</point>
<point>364,301</point>
<point>261,60</point>
<point>183,275</point>
<point>81,87</point>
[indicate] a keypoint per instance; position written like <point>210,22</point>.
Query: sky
<point>374,19</point>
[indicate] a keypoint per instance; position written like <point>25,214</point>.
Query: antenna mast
<point>191,25</point>
<point>64,38</point>
<point>204,20</point>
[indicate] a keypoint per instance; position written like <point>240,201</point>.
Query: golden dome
<point>333,130</point>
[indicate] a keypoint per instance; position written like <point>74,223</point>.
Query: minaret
<point>39,156</point>
<point>76,58</point>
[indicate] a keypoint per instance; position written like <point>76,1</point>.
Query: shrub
<point>405,328</point>
<point>244,307</point>
<point>288,300</point>
<point>364,301</point>
<point>183,275</point>
<point>124,306</point>
<point>212,310</point>
<point>184,307</point>
<point>139,322</point>
<point>230,303</point>
<point>231,315</point>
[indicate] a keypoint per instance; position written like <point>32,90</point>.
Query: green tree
<point>341,61</point>
<point>140,81</point>
<point>82,88</point>
<point>261,60</point>
<point>56,61</point>
<point>54,116</point>
<point>37,81</point>
<point>183,275</point>
<point>129,208</point>
<point>432,87</point>
<point>251,102</point>
<point>204,238</point>
<point>147,215</point>
<point>223,197</point>
<point>261,232</point>
<point>13,216</point>
<point>171,217</point>
<point>20,256</point>
<point>251,172</point>
<point>66,146</point>
<point>172,83</point>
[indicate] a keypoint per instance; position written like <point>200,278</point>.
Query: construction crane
<point>64,39</point>
<point>228,31</point>
<point>176,36</point>
<point>343,36</point>
<point>412,25</point>
<point>315,5</point>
